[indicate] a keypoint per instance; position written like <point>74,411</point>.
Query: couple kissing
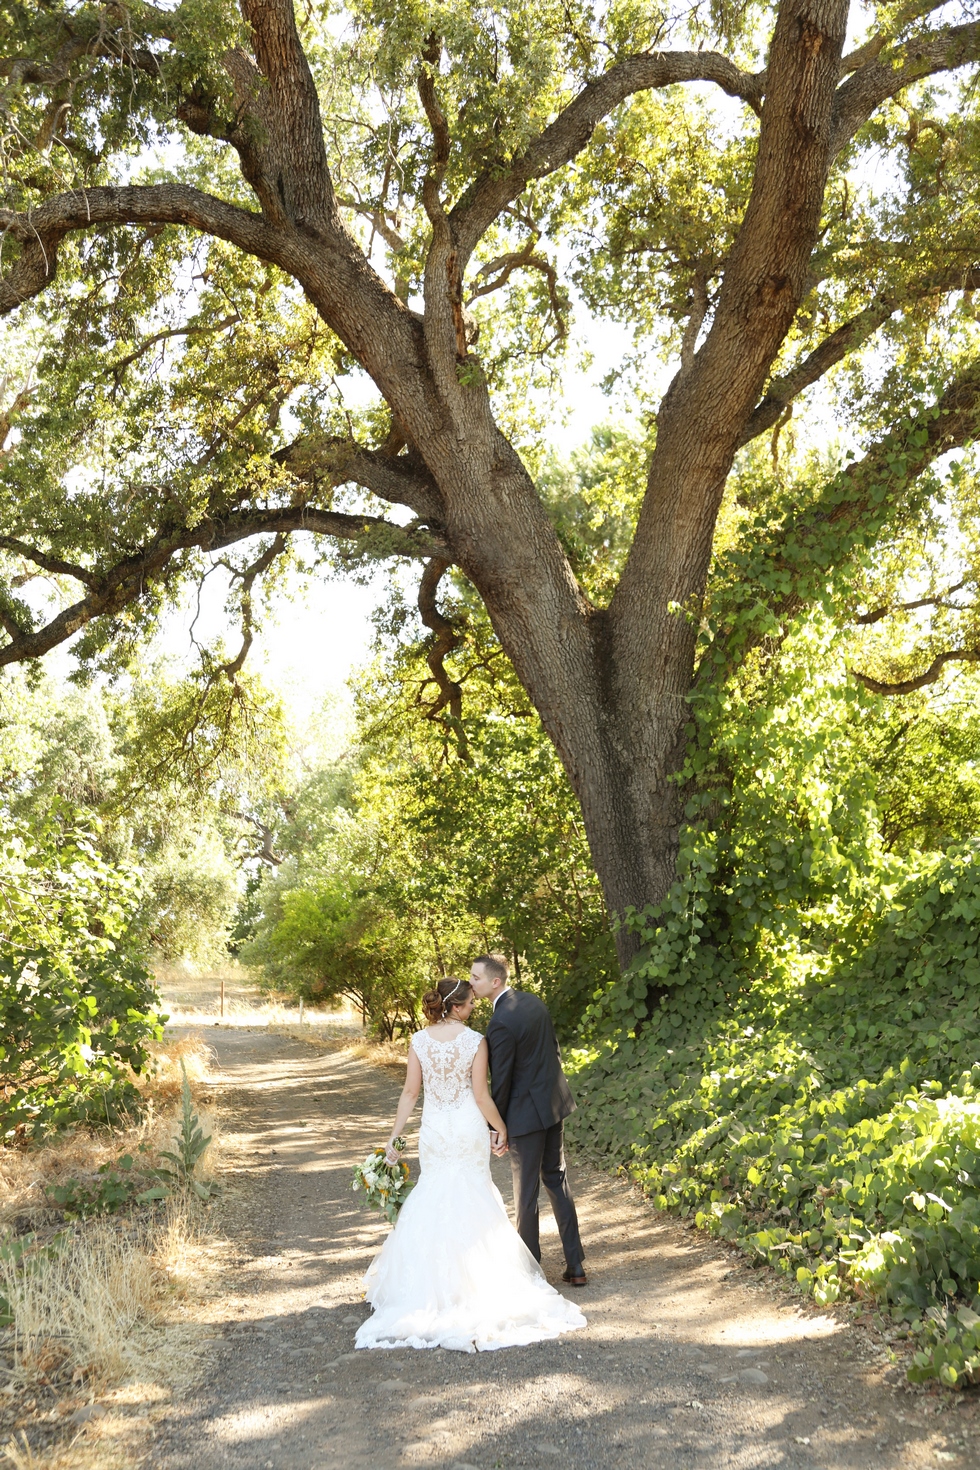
<point>454,1272</point>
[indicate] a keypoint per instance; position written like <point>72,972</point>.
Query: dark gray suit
<point>533,1097</point>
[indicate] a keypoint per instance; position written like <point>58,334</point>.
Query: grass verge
<point>100,1326</point>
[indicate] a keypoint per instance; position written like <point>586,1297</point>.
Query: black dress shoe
<point>575,1278</point>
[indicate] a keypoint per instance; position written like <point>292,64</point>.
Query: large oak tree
<point>215,214</point>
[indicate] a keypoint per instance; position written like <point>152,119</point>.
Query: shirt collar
<point>500,993</point>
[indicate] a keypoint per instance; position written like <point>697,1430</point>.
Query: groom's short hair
<point>495,964</point>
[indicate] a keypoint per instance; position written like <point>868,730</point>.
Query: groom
<point>533,1098</point>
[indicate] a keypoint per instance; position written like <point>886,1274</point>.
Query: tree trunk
<point>620,740</point>
<point>612,686</point>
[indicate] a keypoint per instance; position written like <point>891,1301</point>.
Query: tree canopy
<point>275,273</point>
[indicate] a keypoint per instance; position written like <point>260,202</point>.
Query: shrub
<point>831,1125</point>
<point>77,1003</point>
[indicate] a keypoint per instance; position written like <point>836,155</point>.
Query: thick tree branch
<point>401,479</point>
<point>767,269</point>
<point>126,581</point>
<point>695,321</point>
<point>845,339</point>
<point>445,324</point>
<point>40,231</point>
<point>571,130</point>
<point>53,564</point>
<point>765,280</point>
<point>439,162</point>
<point>889,73</point>
<point>872,48</point>
<point>353,300</point>
<point>277,129</point>
<point>8,622</point>
<point>932,673</point>
<point>28,71</point>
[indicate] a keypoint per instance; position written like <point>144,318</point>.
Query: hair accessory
<point>446,998</point>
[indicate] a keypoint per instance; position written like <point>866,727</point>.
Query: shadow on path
<point>682,1364</point>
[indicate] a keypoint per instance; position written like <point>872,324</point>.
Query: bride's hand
<point>391,1153</point>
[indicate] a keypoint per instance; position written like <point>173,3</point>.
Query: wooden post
<point>222,997</point>
<point>301,1010</point>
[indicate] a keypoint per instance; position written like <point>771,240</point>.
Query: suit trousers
<point>541,1156</point>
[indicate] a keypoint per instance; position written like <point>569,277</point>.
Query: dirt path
<point>686,1361</point>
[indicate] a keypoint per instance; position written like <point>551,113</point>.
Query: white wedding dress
<point>454,1273</point>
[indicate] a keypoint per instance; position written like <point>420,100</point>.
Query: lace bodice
<point>446,1066</point>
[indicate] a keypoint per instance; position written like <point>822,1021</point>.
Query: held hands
<point>498,1142</point>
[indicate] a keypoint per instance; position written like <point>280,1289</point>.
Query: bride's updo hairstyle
<point>438,1004</point>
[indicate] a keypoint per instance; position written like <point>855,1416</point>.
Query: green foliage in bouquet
<point>77,1002</point>
<point>386,1186</point>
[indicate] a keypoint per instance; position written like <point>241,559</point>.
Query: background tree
<point>356,193</point>
<point>430,840</point>
<point>184,820</point>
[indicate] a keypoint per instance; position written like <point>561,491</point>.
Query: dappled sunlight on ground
<point>687,1359</point>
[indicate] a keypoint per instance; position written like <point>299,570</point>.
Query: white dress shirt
<point>499,994</point>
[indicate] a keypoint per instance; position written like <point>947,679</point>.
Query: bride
<point>454,1273</point>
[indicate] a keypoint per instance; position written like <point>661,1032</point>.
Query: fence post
<point>301,1010</point>
<point>222,997</point>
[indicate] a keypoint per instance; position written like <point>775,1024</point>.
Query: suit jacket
<point>526,1080</point>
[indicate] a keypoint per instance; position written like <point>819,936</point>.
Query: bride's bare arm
<point>407,1101</point>
<point>481,1092</point>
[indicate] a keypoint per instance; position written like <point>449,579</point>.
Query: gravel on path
<point>686,1362</point>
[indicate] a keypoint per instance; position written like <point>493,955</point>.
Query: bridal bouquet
<point>387,1186</point>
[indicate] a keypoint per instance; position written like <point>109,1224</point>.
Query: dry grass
<point>182,1247</point>
<point>82,1453</point>
<point>192,998</point>
<point>171,1058</point>
<point>26,1174</point>
<point>102,1302</point>
<point>81,1300</point>
<point>80,1294</point>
